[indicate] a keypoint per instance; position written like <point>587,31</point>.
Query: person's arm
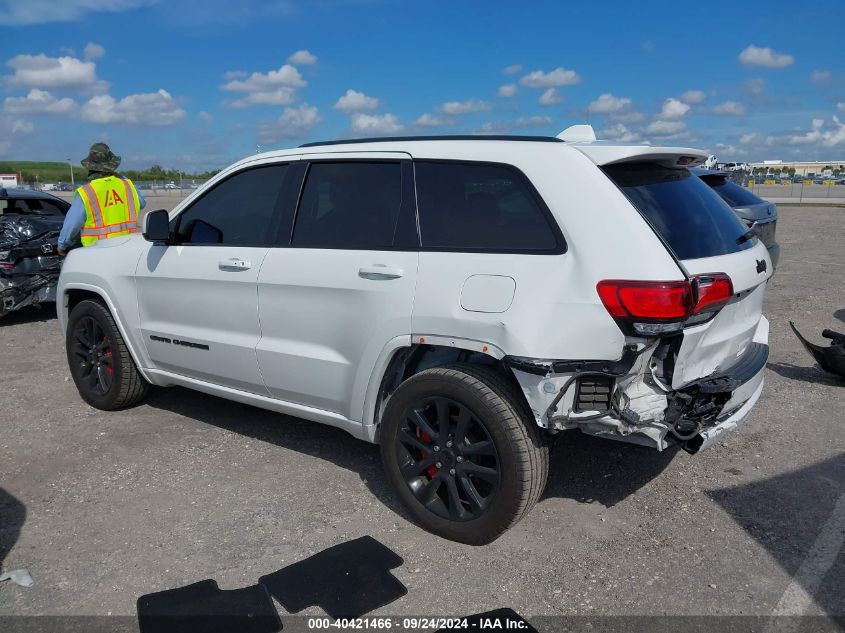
<point>141,200</point>
<point>74,220</point>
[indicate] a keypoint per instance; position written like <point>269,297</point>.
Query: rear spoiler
<point>608,154</point>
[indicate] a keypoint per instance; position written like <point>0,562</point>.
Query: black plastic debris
<point>346,581</point>
<point>204,608</point>
<point>832,358</point>
<point>497,620</point>
<point>29,263</point>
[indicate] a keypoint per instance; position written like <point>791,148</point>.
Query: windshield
<point>692,220</point>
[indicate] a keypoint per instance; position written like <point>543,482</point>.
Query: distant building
<point>8,181</point>
<point>802,168</point>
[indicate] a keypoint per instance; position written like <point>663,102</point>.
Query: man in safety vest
<point>107,206</point>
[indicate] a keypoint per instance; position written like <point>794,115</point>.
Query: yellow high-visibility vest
<point>111,208</point>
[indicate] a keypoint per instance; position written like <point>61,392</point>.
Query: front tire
<point>100,364</point>
<point>462,452</point>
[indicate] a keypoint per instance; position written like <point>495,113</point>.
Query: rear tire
<point>463,453</point>
<point>100,364</point>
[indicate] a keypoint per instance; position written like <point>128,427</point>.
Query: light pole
<point>70,164</point>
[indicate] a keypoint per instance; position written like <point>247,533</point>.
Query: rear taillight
<point>658,307</point>
<point>712,292</point>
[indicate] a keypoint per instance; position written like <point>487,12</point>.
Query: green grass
<point>45,171</point>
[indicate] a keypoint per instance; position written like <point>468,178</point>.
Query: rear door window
<point>482,207</point>
<point>349,205</point>
<point>683,210</point>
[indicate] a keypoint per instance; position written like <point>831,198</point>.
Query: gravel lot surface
<point>102,508</point>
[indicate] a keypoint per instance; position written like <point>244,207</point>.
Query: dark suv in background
<point>756,213</point>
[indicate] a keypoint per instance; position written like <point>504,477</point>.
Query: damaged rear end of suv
<point>695,343</point>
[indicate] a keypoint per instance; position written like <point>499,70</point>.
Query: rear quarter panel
<point>555,312</point>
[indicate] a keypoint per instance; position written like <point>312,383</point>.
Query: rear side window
<point>732,193</point>
<point>690,217</point>
<point>481,207</point>
<point>352,205</point>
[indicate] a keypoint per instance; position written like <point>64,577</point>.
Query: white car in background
<point>458,300</point>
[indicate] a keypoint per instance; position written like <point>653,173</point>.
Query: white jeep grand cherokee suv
<point>457,300</point>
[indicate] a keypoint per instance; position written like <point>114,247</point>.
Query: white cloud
<point>533,122</point>
<point>508,90</point>
<point>550,97</point>
<point>354,101</point>
<point>841,106</point>
<point>302,58</point>
<point>205,117</point>
<point>15,12</point>
<point>93,51</point>
<point>152,108</point>
<point>512,69</point>
<point>819,134</point>
<point>820,76</point>
<point>40,71</point>
<point>756,56</point>
<point>375,124</point>
<point>286,75</point>
<point>755,86</point>
<point>673,109</point>
<point>552,79</point>
<point>471,106</point>
<point>729,108</point>
<point>279,96</point>
<point>293,123</point>
<point>666,128</point>
<point>276,87</point>
<point>750,137</point>
<point>693,96</point>
<point>493,127</point>
<point>234,74</point>
<point>619,133</point>
<point>627,117</point>
<point>430,120</point>
<point>608,104</point>
<point>730,150</point>
<point>9,128</point>
<point>39,102</point>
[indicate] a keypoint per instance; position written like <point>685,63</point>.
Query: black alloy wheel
<point>447,459</point>
<point>462,451</point>
<point>92,352</point>
<point>99,360</point>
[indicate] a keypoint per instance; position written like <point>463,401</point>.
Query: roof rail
<point>447,137</point>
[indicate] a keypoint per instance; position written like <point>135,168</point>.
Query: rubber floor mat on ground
<point>204,608</point>
<point>346,581</point>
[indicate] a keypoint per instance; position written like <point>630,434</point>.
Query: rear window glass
<point>732,193</point>
<point>480,207</point>
<point>690,217</point>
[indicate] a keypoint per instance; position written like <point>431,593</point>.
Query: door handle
<point>234,263</point>
<point>380,271</point>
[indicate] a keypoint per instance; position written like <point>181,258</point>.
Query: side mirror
<point>157,227</point>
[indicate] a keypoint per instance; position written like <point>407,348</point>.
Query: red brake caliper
<point>107,355</point>
<point>431,471</point>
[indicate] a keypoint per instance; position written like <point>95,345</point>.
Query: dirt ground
<point>102,508</point>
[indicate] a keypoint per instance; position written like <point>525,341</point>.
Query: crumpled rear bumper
<point>747,394</point>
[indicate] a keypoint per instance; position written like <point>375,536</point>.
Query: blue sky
<point>197,84</point>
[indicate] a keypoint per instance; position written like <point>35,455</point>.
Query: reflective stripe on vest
<point>130,201</point>
<point>91,202</point>
<point>111,208</point>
